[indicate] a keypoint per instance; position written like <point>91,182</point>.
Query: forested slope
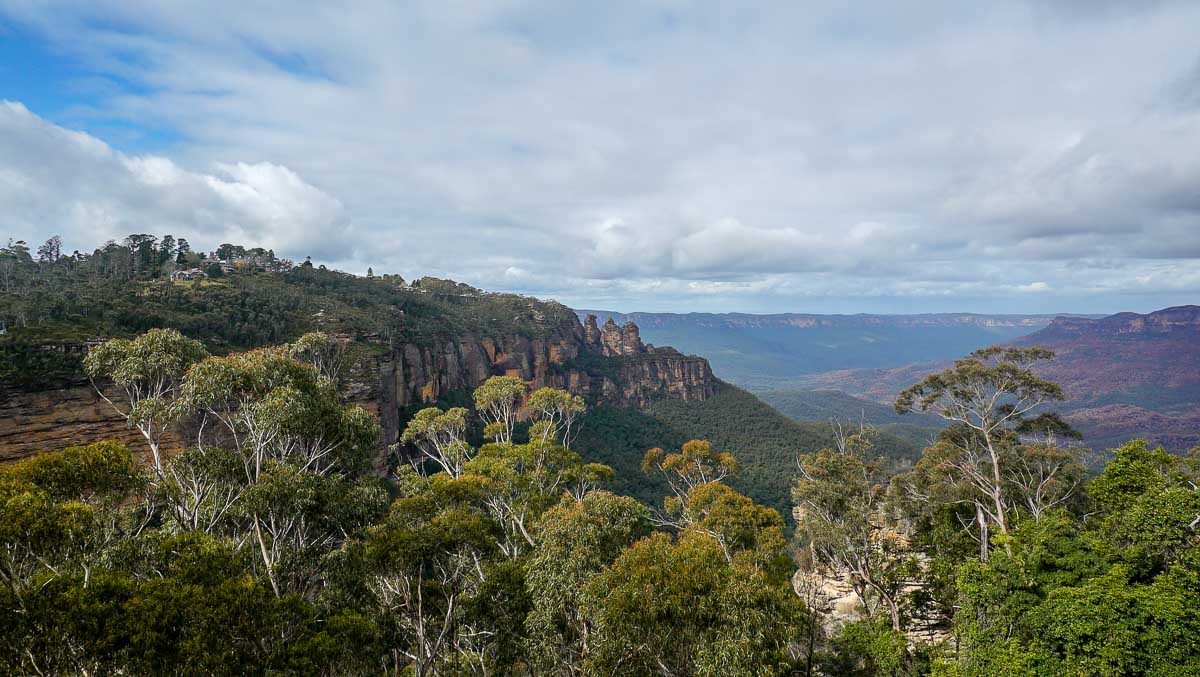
<point>765,442</point>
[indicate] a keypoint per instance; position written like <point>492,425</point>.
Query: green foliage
<point>59,510</point>
<point>576,541</point>
<point>440,435</point>
<point>867,648</point>
<point>147,371</point>
<point>85,473</point>
<point>695,464</point>
<point>842,523</point>
<point>999,455</point>
<point>277,408</point>
<point>1151,507</point>
<point>1064,601</point>
<point>679,608</point>
<point>158,355</point>
<point>750,535</point>
<point>497,402</point>
<point>1135,471</point>
<point>1113,626</point>
<point>965,392</point>
<point>733,420</point>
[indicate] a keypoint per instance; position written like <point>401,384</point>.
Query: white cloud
<point>650,154</point>
<point>58,181</point>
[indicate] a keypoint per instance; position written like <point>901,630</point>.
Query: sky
<point>662,155</point>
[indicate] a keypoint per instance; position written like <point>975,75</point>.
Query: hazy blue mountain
<point>763,352</point>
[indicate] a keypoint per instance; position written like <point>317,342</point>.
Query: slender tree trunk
<point>266,558</point>
<point>981,519</point>
<point>997,486</point>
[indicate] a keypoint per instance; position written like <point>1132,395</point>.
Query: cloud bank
<point>70,183</point>
<point>666,155</point>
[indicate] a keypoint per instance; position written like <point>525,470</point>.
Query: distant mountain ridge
<point>774,352</point>
<point>812,320</point>
<point>1125,375</point>
<point>1165,321</point>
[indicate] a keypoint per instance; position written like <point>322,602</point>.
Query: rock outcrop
<point>832,597</point>
<point>613,340</point>
<point>609,366</point>
<point>60,417</point>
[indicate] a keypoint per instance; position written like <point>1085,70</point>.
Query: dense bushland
<point>497,546</point>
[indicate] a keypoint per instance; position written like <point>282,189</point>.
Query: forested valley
<point>497,543</point>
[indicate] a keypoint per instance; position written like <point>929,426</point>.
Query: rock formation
<point>831,596</point>
<point>616,341</point>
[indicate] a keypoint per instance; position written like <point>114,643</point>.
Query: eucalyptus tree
<point>423,563</point>
<point>303,455</point>
<point>558,411</point>
<point>695,464</point>
<point>325,353</point>
<point>148,370</point>
<point>498,401</point>
<point>577,539</point>
<point>274,408</point>
<point>522,481</point>
<point>678,607</point>
<point>991,397</point>
<point>59,510</point>
<point>440,436</point>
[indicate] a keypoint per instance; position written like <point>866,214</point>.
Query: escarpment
<point>606,365</point>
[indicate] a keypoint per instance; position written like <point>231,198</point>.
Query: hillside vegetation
<point>123,289</point>
<point>765,442</point>
<point>497,542</point>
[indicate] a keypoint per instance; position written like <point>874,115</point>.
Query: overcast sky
<point>905,157</point>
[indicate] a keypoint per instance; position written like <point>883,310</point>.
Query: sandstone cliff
<point>607,365</point>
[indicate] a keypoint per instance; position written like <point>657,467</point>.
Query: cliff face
<point>609,366</point>
<point>56,418</point>
<point>633,375</point>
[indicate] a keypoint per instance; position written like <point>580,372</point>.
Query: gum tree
<point>498,401</point>
<point>990,397</point>
<point>148,371</point>
<point>440,437</point>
